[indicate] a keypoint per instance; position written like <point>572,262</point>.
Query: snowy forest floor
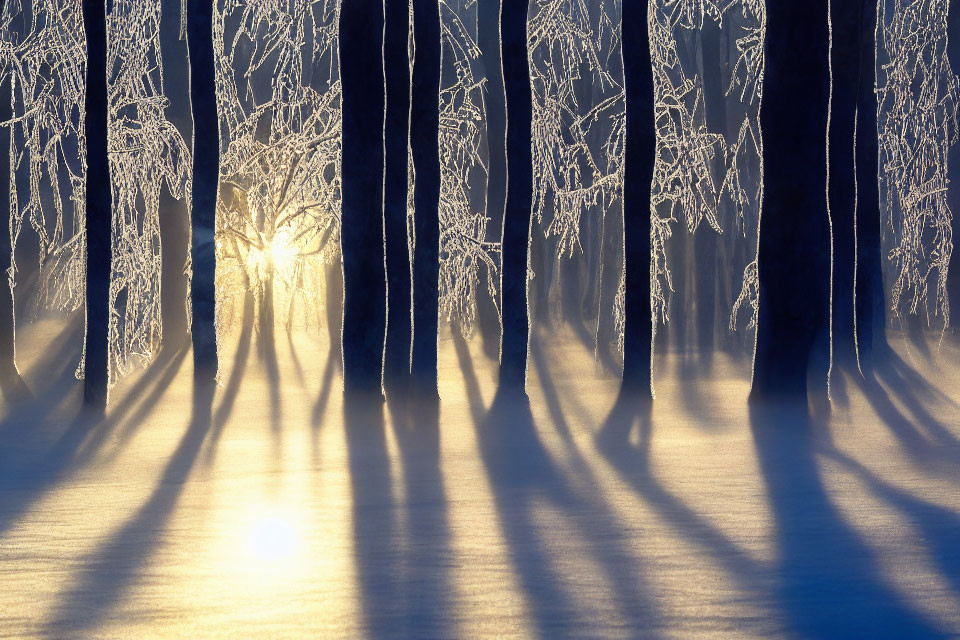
<point>289,513</point>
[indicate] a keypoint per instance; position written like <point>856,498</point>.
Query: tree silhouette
<point>206,175</point>
<point>364,307</point>
<point>793,323</point>
<point>517,211</point>
<point>424,131</point>
<point>639,155</point>
<point>98,208</point>
<point>396,139</point>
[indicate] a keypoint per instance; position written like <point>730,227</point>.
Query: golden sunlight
<point>272,538</point>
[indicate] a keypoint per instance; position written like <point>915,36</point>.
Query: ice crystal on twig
<point>918,123</point>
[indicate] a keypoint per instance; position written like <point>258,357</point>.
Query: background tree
<point>495,119</point>
<point>793,323</point>
<point>639,155</point>
<point>424,131</point>
<point>870,303</point>
<point>396,140</point>
<point>918,96</point>
<point>174,211</point>
<point>858,322</point>
<point>364,306</point>
<point>953,56</point>
<point>98,211</point>
<point>206,174</point>
<point>10,381</point>
<point>519,202</point>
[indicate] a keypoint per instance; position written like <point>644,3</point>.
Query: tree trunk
<point>519,197</point>
<point>10,381</point>
<point>870,308</point>
<point>98,208</point>
<point>495,112</point>
<point>361,237</point>
<point>639,154</point>
<point>206,175</point>
<point>174,213</point>
<point>396,67</point>
<point>845,70</point>
<point>424,143</point>
<point>794,236</point>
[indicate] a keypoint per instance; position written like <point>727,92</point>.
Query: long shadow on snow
<point>521,474</point>
<point>34,457</point>
<point>632,462</point>
<point>829,583</point>
<point>938,526</point>
<point>427,554</point>
<point>109,572</point>
<point>377,553</point>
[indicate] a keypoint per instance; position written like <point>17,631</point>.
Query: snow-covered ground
<point>289,513</point>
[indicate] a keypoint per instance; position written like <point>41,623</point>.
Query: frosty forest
<point>480,318</point>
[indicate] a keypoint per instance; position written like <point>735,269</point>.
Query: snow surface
<point>291,514</point>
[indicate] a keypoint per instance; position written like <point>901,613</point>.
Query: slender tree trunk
<point>519,198</point>
<point>845,70</point>
<point>870,308</point>
<point>10,380</point>
<point>794,236</point>
<point>98,208</point>
<point>639,155</point>
<point>206,175</point>
<point>396,68</point>
<point>424,144</point>
<point>362,241</point>
<point>174,213</point>
<point>706,240</point>
<point>495,112</point>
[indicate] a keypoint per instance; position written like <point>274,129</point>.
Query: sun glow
<point>279,254</point>
<point>272,539</point>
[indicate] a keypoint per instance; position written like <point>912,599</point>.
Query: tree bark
<point>206,175</point>
<point>639,155</point>
<point>495,112</point>
<point>362,230</point>
<point>845,70</point>
<point>424,144</point>
<point>519,197</point>
<point>794,235</point>
<point>871,306</point>
<point>98,208</point>
<point>174,213</point>
<point>396,68</point>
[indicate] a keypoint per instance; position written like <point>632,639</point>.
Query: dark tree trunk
<point>495,111</point>
<point>10,381</point>
<point>519,199</point>
<point>845,69</point>
<point>639,154</point>
<point>98,208</point>
<point>174,213</point>
<point>794,236</point>
<point>870,306</point>
<point>953,276</point>
<point>854,190</point>
<point>396,67</point>
<point>362,242</point>
<point>206,174</point>
<point>424,144</point>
